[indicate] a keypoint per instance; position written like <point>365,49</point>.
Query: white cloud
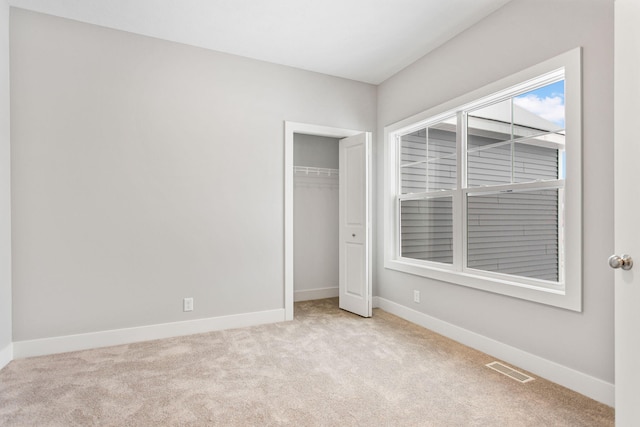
<point>550,108</point>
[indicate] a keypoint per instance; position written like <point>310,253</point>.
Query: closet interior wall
<point>315,217</point>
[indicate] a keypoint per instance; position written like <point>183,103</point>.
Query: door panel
<point>627,211</point>
<point>354,275</point>
<point>354,163</point>
<point>355,228</point>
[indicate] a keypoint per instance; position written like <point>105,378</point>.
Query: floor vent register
<point>510,372</point>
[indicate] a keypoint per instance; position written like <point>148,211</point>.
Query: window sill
<point>562,298</point>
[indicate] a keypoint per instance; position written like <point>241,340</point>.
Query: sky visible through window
<point>546,102</point>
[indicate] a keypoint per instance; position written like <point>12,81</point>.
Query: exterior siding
<point>512,233</point>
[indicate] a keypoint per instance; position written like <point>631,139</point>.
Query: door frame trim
<point>291,128</point>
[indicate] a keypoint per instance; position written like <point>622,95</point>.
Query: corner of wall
<point>6,355</point>
<point>6,346</point>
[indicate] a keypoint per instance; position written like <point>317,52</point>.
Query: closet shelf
<point>313,171</point>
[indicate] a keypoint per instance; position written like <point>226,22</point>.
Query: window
<point>485,191</point>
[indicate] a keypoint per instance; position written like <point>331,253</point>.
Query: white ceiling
<point>365,40</point>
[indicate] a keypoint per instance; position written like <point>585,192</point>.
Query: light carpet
<point>326,368</point>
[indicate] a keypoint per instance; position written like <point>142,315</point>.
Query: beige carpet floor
<point>325,368</point>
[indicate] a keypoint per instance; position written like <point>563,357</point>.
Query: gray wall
<point>519,35</point>
<point>146,171</point>
<point>5,185</point>
<point>317,151</point>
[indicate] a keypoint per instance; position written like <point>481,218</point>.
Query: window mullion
<point>462,149</point>
<point>513,147</point>
<point>459,251</point>
<point>426,175</point>
<point>397,192</point>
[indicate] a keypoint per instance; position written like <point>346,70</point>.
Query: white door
<point>627,211</point>
<point>355,227</point>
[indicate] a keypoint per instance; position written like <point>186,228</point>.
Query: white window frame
<point>568,292</point>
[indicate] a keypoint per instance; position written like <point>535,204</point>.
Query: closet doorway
<point>327,216</point>
<point>315,217</point>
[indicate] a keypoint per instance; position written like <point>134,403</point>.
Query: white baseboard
<point>63,344</point>
<point>6,355</point>
<point>582,383</point>
<point>311,294</point>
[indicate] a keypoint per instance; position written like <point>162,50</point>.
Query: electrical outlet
<point>187,304</point>
<point>416,296</point>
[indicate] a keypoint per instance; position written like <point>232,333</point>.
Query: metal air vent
<point>510,372</point>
